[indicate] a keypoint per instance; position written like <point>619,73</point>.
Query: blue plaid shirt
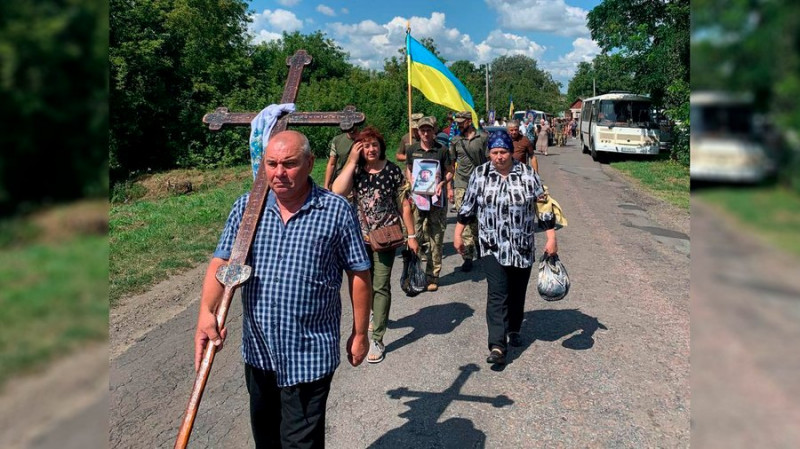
<point>292,307</point>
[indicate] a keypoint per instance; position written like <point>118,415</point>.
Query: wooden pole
<point>408,70</point>
<point>487,91</point>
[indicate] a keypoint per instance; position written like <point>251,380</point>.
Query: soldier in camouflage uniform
<point>430,224</point>
<point>468,150</point>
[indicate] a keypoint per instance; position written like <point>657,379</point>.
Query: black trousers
<point>505,299</point>
<point>288,417</point>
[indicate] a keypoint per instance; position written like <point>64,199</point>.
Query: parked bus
<point>725,143</point>
<point>618,122</point>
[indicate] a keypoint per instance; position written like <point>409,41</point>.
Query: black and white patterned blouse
<point>506,212</point>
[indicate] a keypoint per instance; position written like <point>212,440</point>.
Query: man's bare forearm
<point>212,289</point>
<point>361,299</point>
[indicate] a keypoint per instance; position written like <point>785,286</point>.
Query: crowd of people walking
<point>309,234</point>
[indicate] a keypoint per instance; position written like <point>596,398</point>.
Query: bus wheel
<point>584,149</point>
<point>597,157</point>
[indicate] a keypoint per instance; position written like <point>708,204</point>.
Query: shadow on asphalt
<point>554,324</point>
<point>423,428</point>
<point>432,320</point>
<point>456,276</point>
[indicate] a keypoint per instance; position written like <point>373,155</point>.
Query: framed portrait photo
<point>425,176</point>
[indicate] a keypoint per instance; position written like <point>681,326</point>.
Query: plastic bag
<point>553,283</point>
<point>413,280</point>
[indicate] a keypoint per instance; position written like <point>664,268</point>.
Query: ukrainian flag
<point>510,107</point>
<point>434,80</point>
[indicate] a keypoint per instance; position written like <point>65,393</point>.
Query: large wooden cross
<point>235,273</point>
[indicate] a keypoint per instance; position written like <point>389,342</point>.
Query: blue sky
<point>553,32</point>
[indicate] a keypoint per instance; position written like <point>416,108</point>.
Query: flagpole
<point>408,69</point>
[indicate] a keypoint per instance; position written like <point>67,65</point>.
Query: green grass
<point>770,212</point>
<point>54,298</point>
<point>153,239</point>
<point>662,177</point>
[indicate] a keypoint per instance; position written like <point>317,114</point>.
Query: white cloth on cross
<point>260,128</point>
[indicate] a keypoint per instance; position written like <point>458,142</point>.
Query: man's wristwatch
<point>412,236</point>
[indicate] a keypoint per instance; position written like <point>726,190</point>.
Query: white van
<point>533,114</point>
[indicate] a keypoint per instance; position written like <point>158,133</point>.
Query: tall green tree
<point>171,61</point>
<point>604,74</point>
<point>520,78</point>
<point>53,91</point>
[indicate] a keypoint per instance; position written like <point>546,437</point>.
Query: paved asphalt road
<point>606,367</point>
<point>745,329</point>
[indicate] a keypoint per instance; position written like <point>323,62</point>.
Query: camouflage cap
<point>415,118</point>
<point>427,121</point>
<point>463,115</point>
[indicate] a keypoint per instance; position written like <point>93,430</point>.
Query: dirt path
<point>609,366</point>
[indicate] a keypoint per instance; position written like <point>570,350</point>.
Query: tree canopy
<point>53,88</point>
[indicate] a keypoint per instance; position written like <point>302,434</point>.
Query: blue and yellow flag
<point>428,74</point>
<point>510,107</point>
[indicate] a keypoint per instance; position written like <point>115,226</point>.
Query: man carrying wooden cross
<point>296,251</point>
<point>304,239</point>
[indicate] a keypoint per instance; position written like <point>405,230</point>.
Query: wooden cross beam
<point>345,119</point>
<point>235,273</point>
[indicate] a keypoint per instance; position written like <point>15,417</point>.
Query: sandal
<point>376,350</point>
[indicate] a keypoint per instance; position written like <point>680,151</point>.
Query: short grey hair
<point>305,145</point>
<point>512,124</point>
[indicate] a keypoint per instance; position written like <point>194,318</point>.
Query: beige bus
<point>618,122</point>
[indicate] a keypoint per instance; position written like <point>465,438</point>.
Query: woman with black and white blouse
<point>502,196</point>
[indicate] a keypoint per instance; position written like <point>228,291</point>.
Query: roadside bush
<point>126,191</point>
<point>680,145</point>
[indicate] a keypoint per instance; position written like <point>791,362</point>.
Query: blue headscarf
<point>500,139</point>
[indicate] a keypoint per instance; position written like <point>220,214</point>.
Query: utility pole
<point>487,88</point>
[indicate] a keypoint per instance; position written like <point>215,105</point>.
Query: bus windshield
<point>724,119</point>
<point>629,113</point>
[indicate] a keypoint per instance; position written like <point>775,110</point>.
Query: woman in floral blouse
<point>381,196</point>
<point>502,196</point>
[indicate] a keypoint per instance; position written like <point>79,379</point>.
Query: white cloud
<point>549,16</point>
<point>369,43</point>
<point>345,11</point>
<point>498,43</point>
<point>268,25</point>
<point>583,50</point>
<point>327,10</point>
<point>288,3</point>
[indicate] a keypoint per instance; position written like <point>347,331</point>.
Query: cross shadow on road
<point>423,429</point>
<point>438,319</point>
<point>554,324</point>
